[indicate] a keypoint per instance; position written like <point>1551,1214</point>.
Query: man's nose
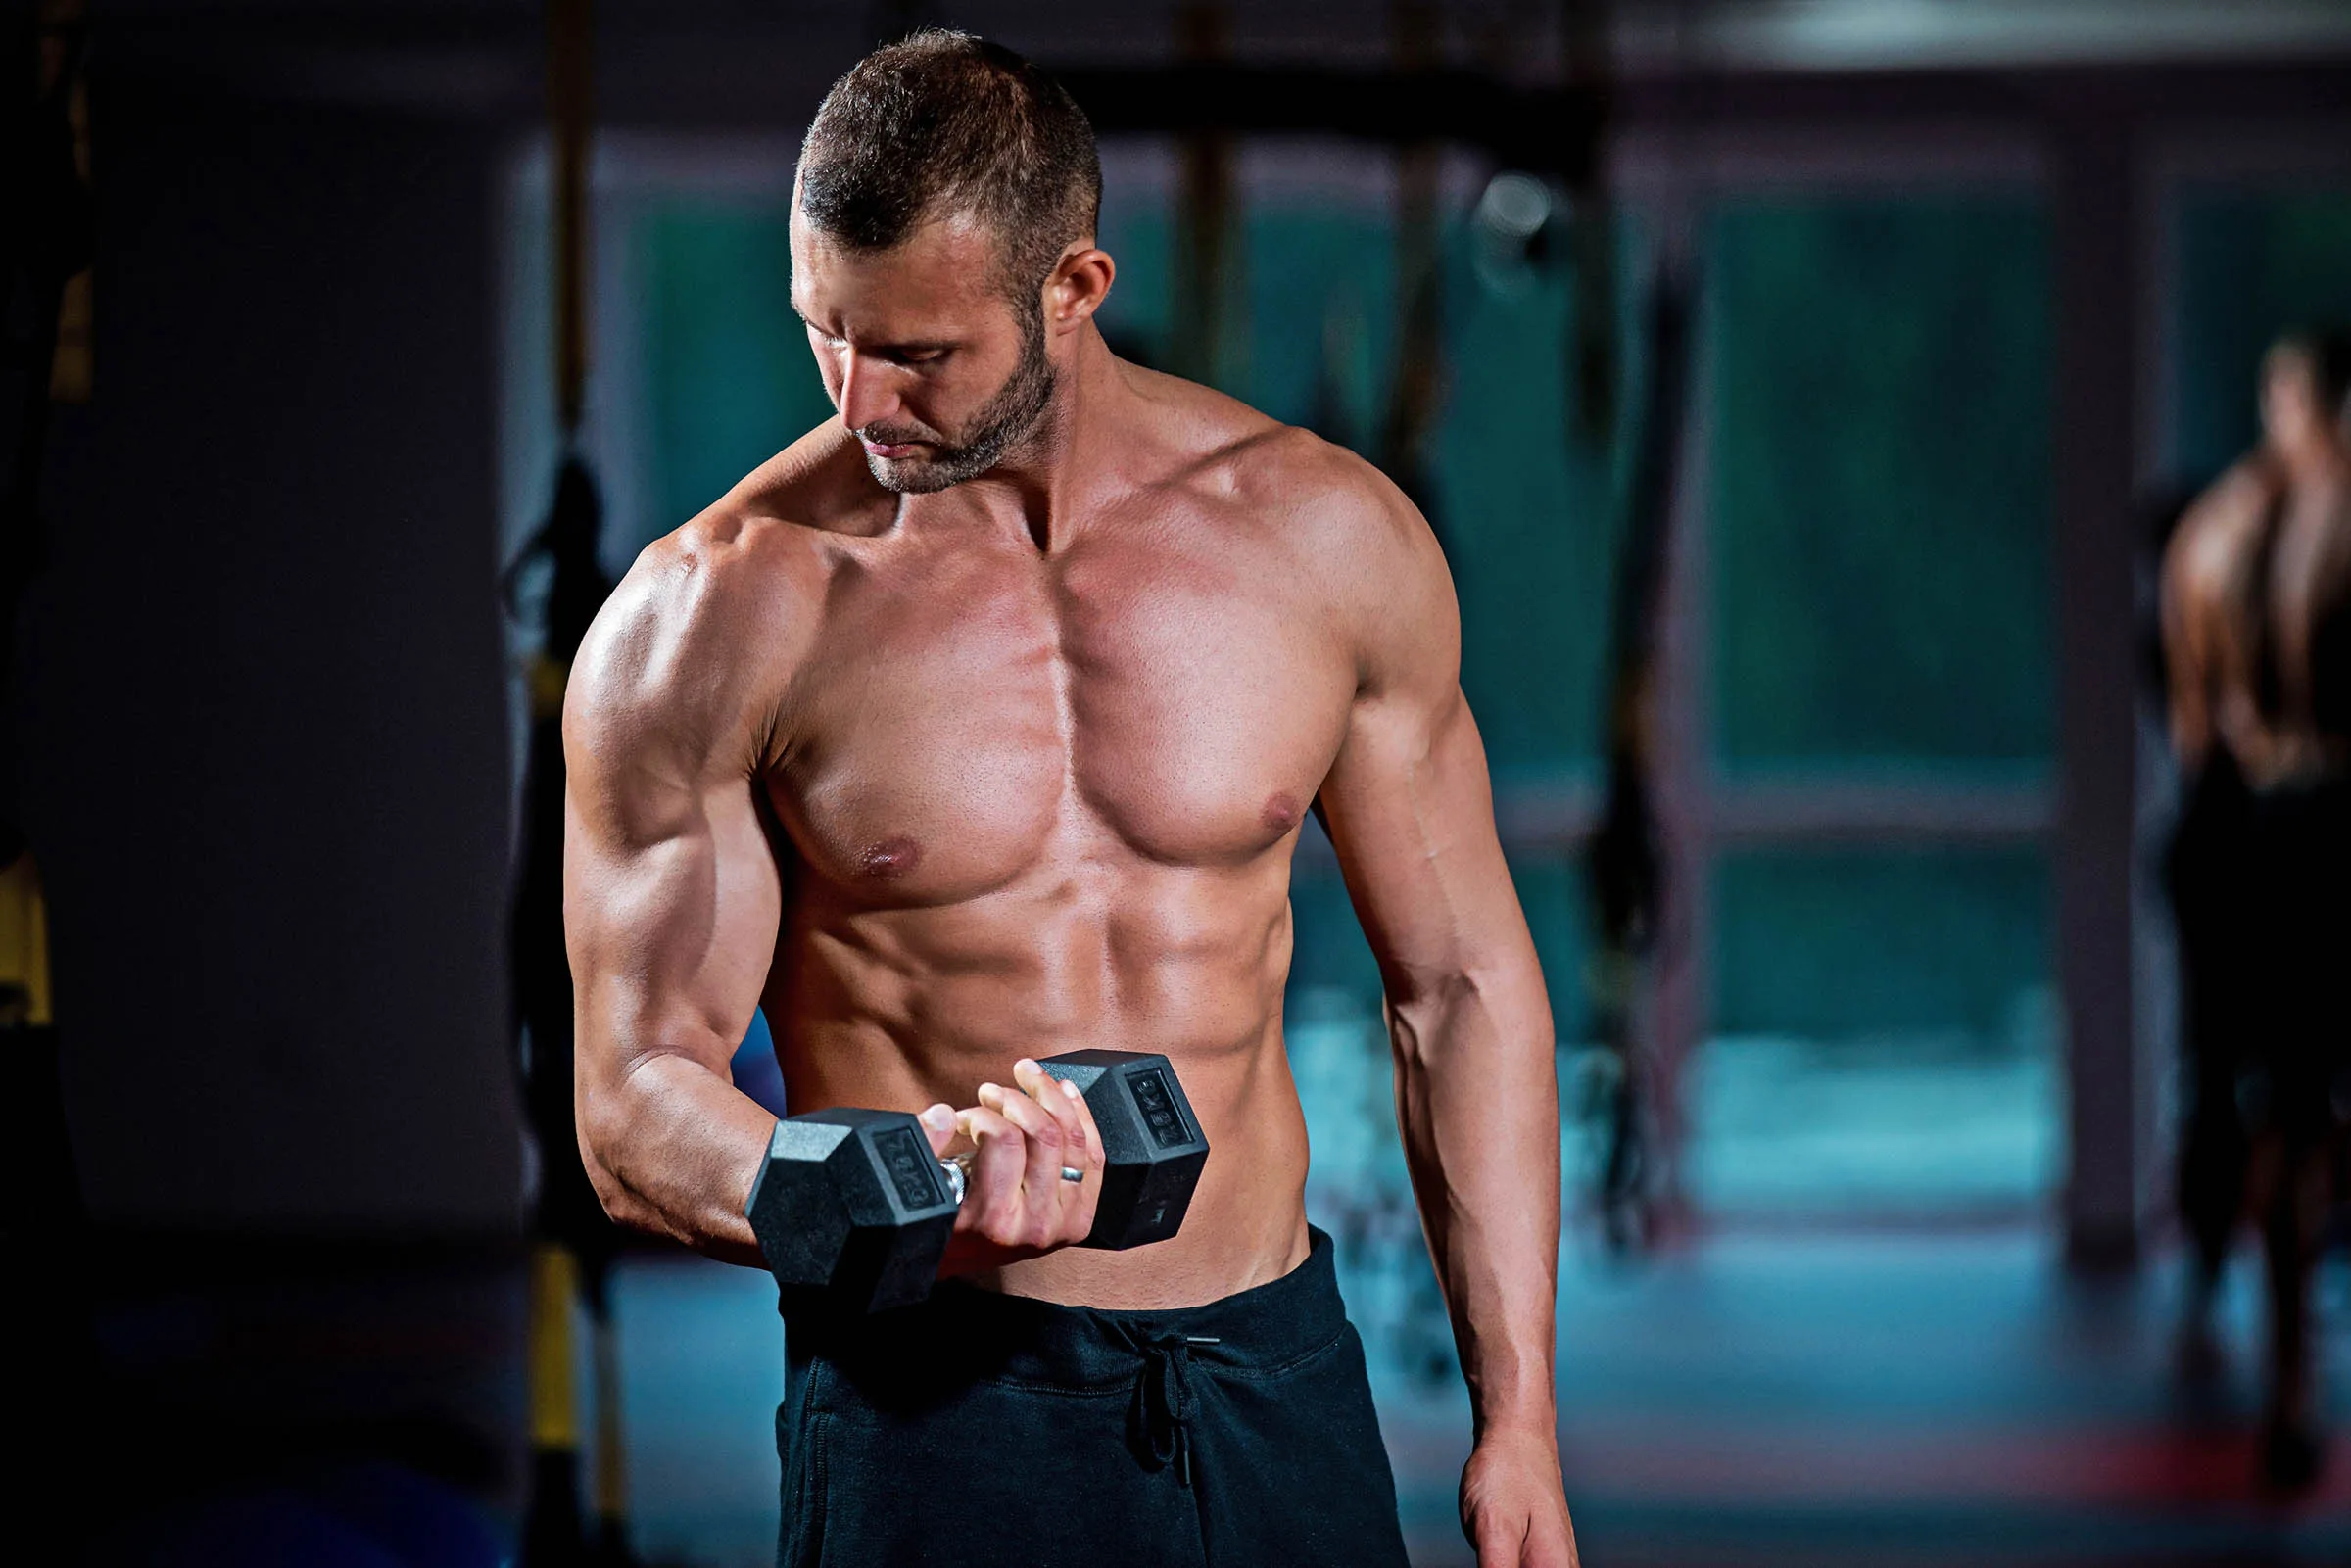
<point>866,394</point>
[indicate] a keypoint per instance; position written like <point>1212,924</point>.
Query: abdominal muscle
<point>902,1008</point>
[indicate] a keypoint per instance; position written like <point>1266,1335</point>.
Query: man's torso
<point>1035,799</point>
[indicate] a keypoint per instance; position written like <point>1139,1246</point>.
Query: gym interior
<point>1801,392</point>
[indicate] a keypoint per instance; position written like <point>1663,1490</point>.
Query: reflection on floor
<point>1754,1399</point>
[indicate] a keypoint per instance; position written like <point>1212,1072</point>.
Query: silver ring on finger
<point>1071,1173</point>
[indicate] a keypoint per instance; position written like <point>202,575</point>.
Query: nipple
<point>890,859</point>
<point>1282,812</point>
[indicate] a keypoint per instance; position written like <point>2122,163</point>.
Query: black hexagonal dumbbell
<point>854,1203</point>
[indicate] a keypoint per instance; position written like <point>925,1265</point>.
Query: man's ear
<point>1079,283</point>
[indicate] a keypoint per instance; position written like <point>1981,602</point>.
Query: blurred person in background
<point>2256,596</point>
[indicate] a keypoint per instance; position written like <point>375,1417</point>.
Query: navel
<point>890,859</point>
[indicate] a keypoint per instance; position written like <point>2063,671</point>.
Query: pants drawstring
<point>1159,1418</point>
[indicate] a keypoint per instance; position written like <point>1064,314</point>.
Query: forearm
<point>673,1148</point>
<point>1478,1101</point>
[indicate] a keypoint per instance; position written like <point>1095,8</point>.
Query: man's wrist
<point>1515,1420</point>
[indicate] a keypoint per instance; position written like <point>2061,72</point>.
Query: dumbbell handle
<point>957,1169</point>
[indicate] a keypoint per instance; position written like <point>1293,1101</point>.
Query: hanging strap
<point>570,64</point>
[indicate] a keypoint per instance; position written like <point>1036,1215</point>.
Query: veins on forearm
<point>1494,1251</point>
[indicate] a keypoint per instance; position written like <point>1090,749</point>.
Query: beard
<point>1002,422</point>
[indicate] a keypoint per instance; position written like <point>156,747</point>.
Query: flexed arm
<point>671,894</point>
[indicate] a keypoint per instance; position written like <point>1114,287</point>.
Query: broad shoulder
<point>696,647</point>
<point>1339,531</point>
<point>1281,482</point>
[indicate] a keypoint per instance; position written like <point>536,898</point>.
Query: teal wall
<point>1851,942</point>
<point>1881,541</point>
<point>1881,491</point>
<point>728,378</point>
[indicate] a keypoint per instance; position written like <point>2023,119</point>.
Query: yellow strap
<point>612,1470</point>
<point>545,679</point>
<point>554,1398</point>
<point>25,936</point>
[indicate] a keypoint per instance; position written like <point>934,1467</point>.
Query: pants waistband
<point>961,1331</point>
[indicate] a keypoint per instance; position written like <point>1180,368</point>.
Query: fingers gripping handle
<point>957,1169</point>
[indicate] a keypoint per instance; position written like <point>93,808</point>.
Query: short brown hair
<point>942,123</point>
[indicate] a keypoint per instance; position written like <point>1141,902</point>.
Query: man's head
<point>2305,385</point>
<point>941,250</point>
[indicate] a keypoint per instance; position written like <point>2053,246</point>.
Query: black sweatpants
<point>979,1428</point>
<point>2218,911</point>
<point>2299,854</point>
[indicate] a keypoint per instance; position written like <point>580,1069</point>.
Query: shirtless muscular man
<point>976,725</point>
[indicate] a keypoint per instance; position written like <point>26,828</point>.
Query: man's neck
<point>1041,484</point>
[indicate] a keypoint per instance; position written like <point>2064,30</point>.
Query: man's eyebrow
<point>885,350</point>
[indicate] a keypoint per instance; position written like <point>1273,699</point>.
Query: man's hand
<point>1514,1503</point>
<point>1018,1205</point>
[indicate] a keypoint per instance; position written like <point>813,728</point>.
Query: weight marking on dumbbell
<point>1159,1110</point>
<point>909,1161</point>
